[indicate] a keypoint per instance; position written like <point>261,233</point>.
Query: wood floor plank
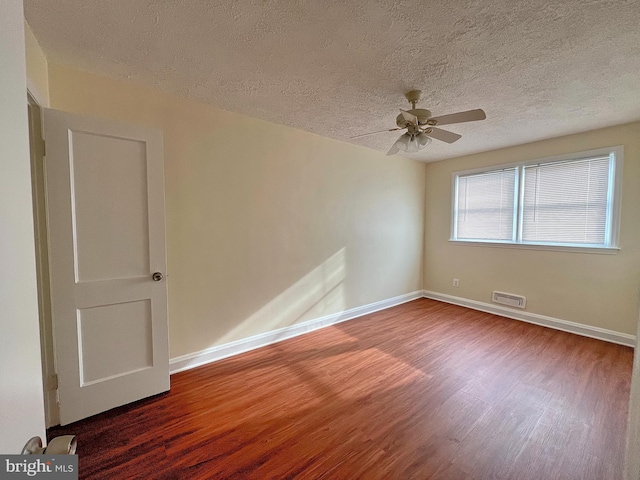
<point>424,390</point>
<point>556,433</point>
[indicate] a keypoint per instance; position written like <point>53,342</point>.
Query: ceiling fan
<point>421,126</point>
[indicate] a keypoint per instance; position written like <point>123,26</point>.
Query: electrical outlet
<point>456,282</point>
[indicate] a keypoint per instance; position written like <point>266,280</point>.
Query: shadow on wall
<point>318,293</point>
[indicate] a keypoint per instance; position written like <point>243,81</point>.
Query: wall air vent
<point>509,299</point>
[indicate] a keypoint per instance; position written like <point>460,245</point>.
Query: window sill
<point>533,246</point>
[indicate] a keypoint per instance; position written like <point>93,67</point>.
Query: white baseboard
<point>196,359</point>
<point>556,323</point>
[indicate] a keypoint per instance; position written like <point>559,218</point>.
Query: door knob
<point>157,276</point>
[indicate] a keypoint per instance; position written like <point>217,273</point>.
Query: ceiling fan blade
<point>403,140</point>
<point>374,133</point>
<point>393,150</point>
<point>443,135</point>
<point>460,117</point>
<point>409,117</point>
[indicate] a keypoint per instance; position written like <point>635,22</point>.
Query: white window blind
<point>566,202</point>
<point>485,206</point>
<point>569,201</point>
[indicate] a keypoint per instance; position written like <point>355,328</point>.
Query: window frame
<point>616,154</point>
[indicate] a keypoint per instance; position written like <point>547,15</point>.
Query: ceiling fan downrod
<point>413,96</point>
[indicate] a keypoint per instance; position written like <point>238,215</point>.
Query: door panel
<point>107,330</point>
<point>116,169</point>
<point>105,205</point>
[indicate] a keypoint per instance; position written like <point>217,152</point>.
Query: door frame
<point>38,192</point>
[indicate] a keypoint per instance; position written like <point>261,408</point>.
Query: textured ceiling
<point>539,69</point>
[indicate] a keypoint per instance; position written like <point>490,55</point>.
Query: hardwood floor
<point>425,390</point>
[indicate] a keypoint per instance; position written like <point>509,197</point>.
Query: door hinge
<point>44,148</point>
<point>52,384</point>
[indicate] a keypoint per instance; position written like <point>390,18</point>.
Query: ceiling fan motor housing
<point>422,114</point>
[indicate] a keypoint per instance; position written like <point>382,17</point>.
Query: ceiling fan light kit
<point>420,126</point>
<point>412,143</point>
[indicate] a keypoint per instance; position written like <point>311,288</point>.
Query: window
<point>569,201</point>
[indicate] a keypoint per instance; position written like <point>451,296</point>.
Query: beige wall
<point>266,225</point>
<point>21,396</point>
<point>37,69</point>
<point>599,290</point>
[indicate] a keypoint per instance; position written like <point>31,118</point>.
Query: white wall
<point>632,460</point>
<point>21,397</point>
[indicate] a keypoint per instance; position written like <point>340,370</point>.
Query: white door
<point>105,208</point>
